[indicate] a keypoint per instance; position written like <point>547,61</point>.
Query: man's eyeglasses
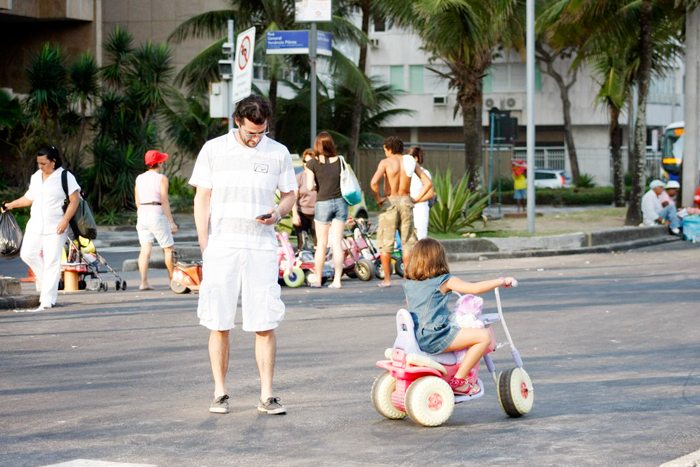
<point>248,135</point>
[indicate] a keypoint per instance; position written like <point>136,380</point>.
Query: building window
<point>396,77</point>
<point>416,79</point>
<point>383,25</point>
<point>509,77</point>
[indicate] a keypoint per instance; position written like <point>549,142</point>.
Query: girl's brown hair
<point>417,153</point>
<point>308,152</point>
<point>428,259</point>
<point>324,145</point>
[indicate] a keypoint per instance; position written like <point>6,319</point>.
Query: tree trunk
<point>471,127</point>
<point>568,133</point>
<point>273,101</point>
<point>634,211</point>
<point>548,59</point>
<point>616,153</point>
<point>357,100</point>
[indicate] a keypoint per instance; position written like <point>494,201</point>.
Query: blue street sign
<point>297,42</point>
<point>324,43</point>
<point>288,42</point>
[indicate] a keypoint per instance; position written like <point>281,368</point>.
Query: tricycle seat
<point>406,340</point>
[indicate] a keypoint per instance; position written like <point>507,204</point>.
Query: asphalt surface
<point>611,342</point>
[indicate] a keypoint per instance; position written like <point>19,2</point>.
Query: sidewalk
<point>600,232</point>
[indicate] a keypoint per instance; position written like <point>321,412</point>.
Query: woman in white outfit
<point>421,209</point>
<point>154,221</point>
<point>47,227</point>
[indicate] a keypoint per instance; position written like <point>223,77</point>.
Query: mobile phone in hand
<point>264,216</point>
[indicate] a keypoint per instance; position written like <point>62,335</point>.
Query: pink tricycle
<point>416,383</point>
<point>289,272</point>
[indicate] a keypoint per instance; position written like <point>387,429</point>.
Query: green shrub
<point>568,196</point>
<point>181,195</point>
<point>457,207</point>
<point>585,181</point>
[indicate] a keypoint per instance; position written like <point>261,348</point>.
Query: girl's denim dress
<point>428,307</point>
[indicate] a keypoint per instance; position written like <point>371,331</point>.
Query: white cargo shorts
<point>230,272</point>
<point>152,226</point>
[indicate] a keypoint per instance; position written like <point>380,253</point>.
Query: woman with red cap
<point>154,219</point>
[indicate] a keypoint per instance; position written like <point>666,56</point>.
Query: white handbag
<point>349,186</point>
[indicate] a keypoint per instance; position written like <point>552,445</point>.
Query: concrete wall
<point>73,24</point>
<point>156,19</point>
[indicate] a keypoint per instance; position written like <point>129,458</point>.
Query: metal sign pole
<point>530,52</point>
<point>312,60</point>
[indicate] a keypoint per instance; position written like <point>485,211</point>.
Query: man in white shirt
<point>653,213</point>
<point>236,176</point>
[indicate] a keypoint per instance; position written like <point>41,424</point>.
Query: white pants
<point>47,269</point>
<point>421,212</point>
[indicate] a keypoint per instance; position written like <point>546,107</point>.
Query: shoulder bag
<point>349,186</point>
<point>83,222</point>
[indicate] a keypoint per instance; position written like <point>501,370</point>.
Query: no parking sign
<point>243,69</point>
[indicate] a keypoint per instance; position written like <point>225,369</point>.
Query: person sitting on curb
<point>668,196</point>
<point>653,213</point>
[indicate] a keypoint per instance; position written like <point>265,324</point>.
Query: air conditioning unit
<point>374,43</point>
<point>491,101</point>
<point>512,103</point>
<point>440,99</point>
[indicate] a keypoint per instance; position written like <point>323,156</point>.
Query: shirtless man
<point>396,204</point>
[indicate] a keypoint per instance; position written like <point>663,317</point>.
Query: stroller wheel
<point>123,285</point>
<point>117,285</point>
<point>176,287</point>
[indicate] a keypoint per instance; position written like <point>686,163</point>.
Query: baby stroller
<point>80,256</point>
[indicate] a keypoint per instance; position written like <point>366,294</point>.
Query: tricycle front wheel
<point>515,392</point>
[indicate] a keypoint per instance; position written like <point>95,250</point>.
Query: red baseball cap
<point>154,157</point>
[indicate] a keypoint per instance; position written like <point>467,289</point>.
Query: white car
<point>547,178</point>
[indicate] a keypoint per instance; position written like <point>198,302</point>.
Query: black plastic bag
<point>10,236</point>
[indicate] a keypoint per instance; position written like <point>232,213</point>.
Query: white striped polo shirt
<point>243,181</point>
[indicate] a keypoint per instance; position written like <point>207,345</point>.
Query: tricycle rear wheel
<point>382,389</point>
<point>430,401</point>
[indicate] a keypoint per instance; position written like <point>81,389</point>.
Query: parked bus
<point>672,150</point>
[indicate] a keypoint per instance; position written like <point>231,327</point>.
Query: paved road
<point>611,341</point>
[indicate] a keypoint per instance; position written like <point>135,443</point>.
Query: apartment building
<point>396,57</point>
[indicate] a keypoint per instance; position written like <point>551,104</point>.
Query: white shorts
<point>228,272</point>
<point>154,226</point>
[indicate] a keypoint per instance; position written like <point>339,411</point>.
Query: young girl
<point>428,287</point>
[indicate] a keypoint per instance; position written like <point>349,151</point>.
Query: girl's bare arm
<point>475,288</point>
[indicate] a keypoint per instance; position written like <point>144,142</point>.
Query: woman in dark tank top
<point>323,175</point>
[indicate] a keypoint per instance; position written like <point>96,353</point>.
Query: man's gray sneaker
<point>220,405</point>
<point>272,406</point>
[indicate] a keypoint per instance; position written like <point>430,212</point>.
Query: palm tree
<point>615,73</point>
<point>85,90</point>
<point>336,108</point>
<point>10,110</point>
<point>465,35</point>
<point>647,24</point>
<point>48,95</point>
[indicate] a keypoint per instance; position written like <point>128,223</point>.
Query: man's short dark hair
<point>255,108</point>
<point>394,144</point>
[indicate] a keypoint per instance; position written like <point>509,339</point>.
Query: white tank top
<point>148,186</point>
